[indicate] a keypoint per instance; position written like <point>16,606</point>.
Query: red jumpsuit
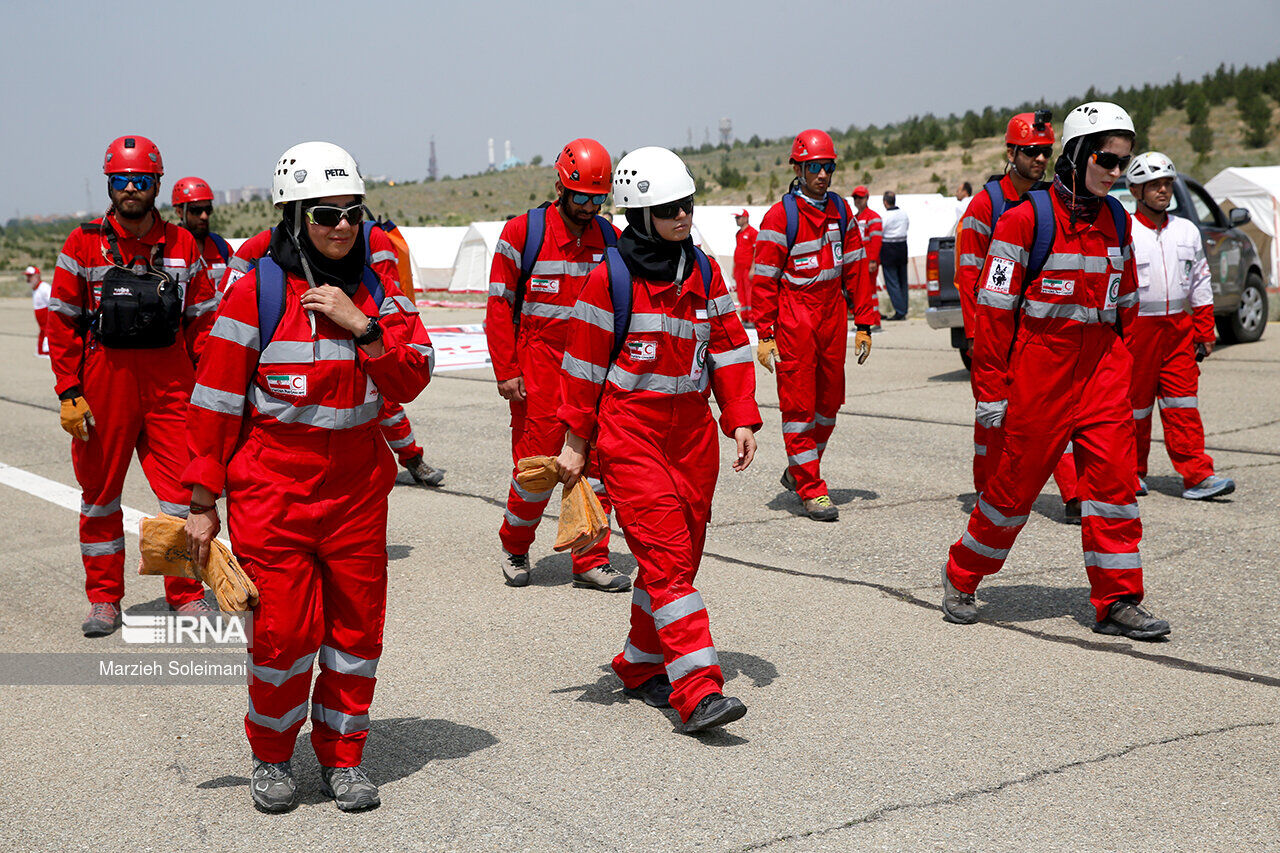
<point>1173,275</point>
<point>656,447</point>
<point>535,351</point>
<point>138,396</point>
<point>393,420</point>
<point>743,252</point>
<point>871,229</point>
<point>291,432</point>
<point>215,265</point>
<point>799,301</point>
<point>40,295</point>
<point>1068,380</point>
<point>974,235</point>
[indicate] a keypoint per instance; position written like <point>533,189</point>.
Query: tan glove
<point>76,417</point>
<point>537,473</point>
<point>862,345</point>
<point>163,543</point>
<point>767,353</point>
<point>583,522</point>
<point>222,574</point>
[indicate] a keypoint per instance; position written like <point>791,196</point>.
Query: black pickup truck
<point>1239,295</point>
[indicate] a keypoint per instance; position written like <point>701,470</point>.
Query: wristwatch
<point>372,332</point>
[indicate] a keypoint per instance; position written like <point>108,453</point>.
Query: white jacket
<point>1173,273</point>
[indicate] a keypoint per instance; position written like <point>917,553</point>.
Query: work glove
<point>583,522</point>
<point>76,417</point>
<point>163,543</point>
<point>991,414</point>
<point>862,345</point>
<point>767,353</point>
<point>232,587</point>
<point>537,473</point>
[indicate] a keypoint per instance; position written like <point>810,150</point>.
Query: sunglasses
<point>201,210</point>
<point>141,183</point>
<point>1033,151</point>
<point>328,215</point>
<point>598,199</point>
<point>1107,160</point>
<point>827,166</point>
<point>672,209</point>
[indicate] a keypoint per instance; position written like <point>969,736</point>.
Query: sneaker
<point>272,786</point>
<point>604,578</point>
<point>1071,511</point>
<point>958,607</point>
<point>422,473</point>
<point>1131,620</point>
<point>1141,491</point>
<point>656,692</point>
<point>821,509</point>
<point>1212,486</point>
<point>788,482</point>
<point>350,787</point>
<point>198,606</point>
<point>714,710</point>
<point>104,619</point>
<point>515,568</point>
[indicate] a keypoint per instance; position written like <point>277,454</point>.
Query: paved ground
<point>873,724</point>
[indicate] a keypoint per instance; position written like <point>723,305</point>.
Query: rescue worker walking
<point>128,315</point>
<point>1052,367</point>
<point>1167,342</point>
<point>539,265</point>
<point>809,263</point>
<point>284,417</point>
<point>193,202</point>
<point>41,290</point>
<point>871,230</point>
<point>1028,146</point>
<point>744,251</point>
<point>640,395</point>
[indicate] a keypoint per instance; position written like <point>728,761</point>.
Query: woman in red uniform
<point>642,401</point>
<point>284,415</point>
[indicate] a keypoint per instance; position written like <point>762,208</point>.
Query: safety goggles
<point>815,167</point>
<point>1108,160</point>
<point>200,210</point>
<point>672,209</point>
<point>328,215</point>
<point>141,183</point>
<point>1031,152</point>
<point>598,199</point>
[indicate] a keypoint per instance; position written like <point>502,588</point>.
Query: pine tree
<point>1197,106</point>
<point>1201,139</point>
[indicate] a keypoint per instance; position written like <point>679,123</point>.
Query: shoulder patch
<point>1000,275</point>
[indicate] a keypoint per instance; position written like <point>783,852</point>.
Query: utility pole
<point>432,170</point>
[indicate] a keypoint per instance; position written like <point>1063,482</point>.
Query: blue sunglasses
<point>582,198</point>
<point>827,166</point>
<point>141,183</point>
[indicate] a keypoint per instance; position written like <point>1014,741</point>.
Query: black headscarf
<point>648,255</point>
<point>343,273</point>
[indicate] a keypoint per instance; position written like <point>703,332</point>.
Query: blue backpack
<point>1041,205</point>
<point>620,291</point>
<point>223,247</point>
<point>793,216</point>
<point>533,237</point>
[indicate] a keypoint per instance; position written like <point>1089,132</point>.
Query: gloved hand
<point>862,345</point>
<point>583,522</point>
<point>767,353</point>
<point>537,473</point>
<point>163,543</point>
<point>76,417</point>
<point>991,414</point>
<point>222,574</point>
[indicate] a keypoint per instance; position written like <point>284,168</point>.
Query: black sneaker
<point>656,692</point>
<point>422,473</point>
<point>958,607</point>
<point>104,619</point>
<point>714,710</point>
<point>1071,511</point>
<point>272,786</point>
<point>788,482</point>
<point>515,568</point>
<point>1125,618</point>
<point>350,787</point>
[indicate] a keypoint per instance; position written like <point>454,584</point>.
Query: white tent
<point>1257,190</point>
<point>474,258</point>
<point>720,233</point>
<point>434,250</point>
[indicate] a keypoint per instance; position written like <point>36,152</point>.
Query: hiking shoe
<point>656,692</point>
<point>104,619</point>
<point>422,473</point>
<point>821,509</point>
<point>350,787</point>
<point>958,607</point>
<point>604,578</point>
<point>1212,486</point>
<point>1142,488</point>
<point>196,607</point>
<point>272,786</point>
<point>714,710</point>
<point>1071,511</point>
<point>1125,618</point>
<point>788,482</point>
<point>515,568</point>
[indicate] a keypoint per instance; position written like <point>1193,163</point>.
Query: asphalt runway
<point>873,724</point>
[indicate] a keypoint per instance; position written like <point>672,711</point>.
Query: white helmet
<point>315,170</point>
<point>1149,167</point>
<point>649,176</point>
<point>1095,117</point>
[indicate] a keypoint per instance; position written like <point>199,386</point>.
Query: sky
<point>224,88</point>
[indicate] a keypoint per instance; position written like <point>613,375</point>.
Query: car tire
<point>1248,321</point>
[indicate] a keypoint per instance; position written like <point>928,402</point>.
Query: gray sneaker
<point>423,474</point>
<point>788,482</point>
<point>195,608</point>
<point>958,607</point>
<point>104,619</point>
<point>515,568</point>
<point>821,509</point>
<point>1212,486</point>
<point>604,578</point>
<point>1127,619</point>
<point>272,786</point>
<point>1141,491</point>
<point>350,788</point>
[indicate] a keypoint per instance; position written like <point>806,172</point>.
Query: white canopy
<point>474,258</point>
<point>1256,189</point>
<point>434,250</point>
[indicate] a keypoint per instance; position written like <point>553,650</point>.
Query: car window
<point>1130,205</point>
<point>1206,211</point>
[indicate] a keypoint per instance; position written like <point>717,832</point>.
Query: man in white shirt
<point>893,255</point>
<point>40,292</point>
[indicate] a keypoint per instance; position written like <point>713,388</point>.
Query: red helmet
<point>812,145</point>
<point>135,155</point>
<point>584,166</point>
<point>187,190</point>
<point>1024,129</point>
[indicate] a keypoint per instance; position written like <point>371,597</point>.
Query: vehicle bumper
<point>944,318</point>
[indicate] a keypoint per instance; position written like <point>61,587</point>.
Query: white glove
<point>992,414</point>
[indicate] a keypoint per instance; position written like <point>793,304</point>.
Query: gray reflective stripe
<point>1127,300</point>
<point>507,250</point>
<point>984,550</point>
<point>633,655</point>
<point>346,663</point>
<point>180,510</point>
<point>332,349</point>
<point>549,311</point>
<point>803,458</point>
<point>516,521</point>
<point>685,605</point>
<point>288,352</point>
<point>1098,560</point>
<point>69,264</point>
<point>855,255</point>
<point>979,450</point>
<point>1178,402</point>
<point>1072,261</point>
<point>579,369</point>
<point>692,662</point>
<point>737,355</point>
<point>778,237</point>
<point>63,308</point>
<point>575,268</point>
<point>272,675</point>
<point>596,316</point>
<point>822,446</point>
<point>766,270</point>
<point>429,353</point>
<point>998,518</point>
<point>1106,510</point>
<point>239,264</point>
<point>823,275</point>
<point>394,419</point>
<point>1161,309</point>
<point>1009,251</point>
<point>323,417</point>
<point>1139,414</point>
<point>210,304</point>
<point>1070,448</point>
<point>648,323</point>
<point>1003,301</point>
<point>341,723</point>
<point>722,304</point>
<point>641,599</point>
<point>531,497</point>
<point>396,303</point>
<point>99,510</point>
<point>238,333</point>
<point>655,382</point>
<point>968,260</point>
<point>384,255</point>
<point>805,247</point>
<point>400,442</point>
<point>498,288</point>
<point>100,273</point>
<point>1078,313</point>
<point>823,420</point>
<point>102,549</point>
<point>225,402</point>
<point>975,224</point>
<point>279,724</point>
<point>796,426</point>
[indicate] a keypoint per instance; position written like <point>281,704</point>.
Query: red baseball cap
<point>742,212</point>
<point>860,191</point>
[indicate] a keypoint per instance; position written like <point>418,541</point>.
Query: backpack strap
<point>270,299</point>
<point>704,267</point>
<point>367,227</point>
<point>535,231</point>
<point>223,247</point>
<point>607,233</point>
<point>1042,245</point>
<point>620,293</point>
<point>842,210</point>
<point>1119,218</point>
<point>793,219</point>
<point>998,203</point>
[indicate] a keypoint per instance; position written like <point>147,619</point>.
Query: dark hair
<point>968,187</point>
